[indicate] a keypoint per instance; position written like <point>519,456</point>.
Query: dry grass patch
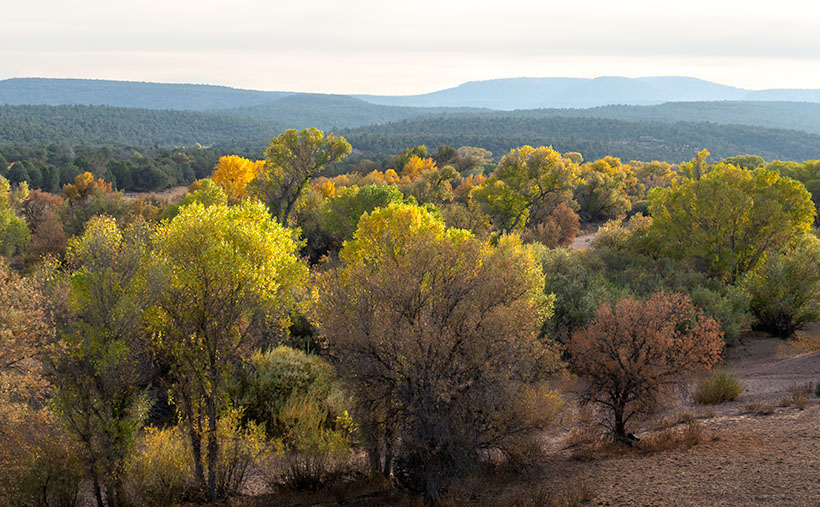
<point>758,408</point>
<point>670,438</point>
<point>801,342</point>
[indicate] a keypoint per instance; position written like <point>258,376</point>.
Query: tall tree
<point>233,173</point>
<point>292,159</point>
<point>96,373</point>
<point>223,275</point>
<point>436,333</point>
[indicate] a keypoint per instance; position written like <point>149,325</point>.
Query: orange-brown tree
<point>636,351</point>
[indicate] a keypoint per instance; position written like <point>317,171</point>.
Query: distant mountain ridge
<point>498,94</point>
<point>534,93</point>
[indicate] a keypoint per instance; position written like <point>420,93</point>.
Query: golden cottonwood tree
<point>222,275</point>
<point>233,173</point>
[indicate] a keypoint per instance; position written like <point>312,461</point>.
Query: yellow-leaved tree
<point>223,277</point>
<point>233,173</point>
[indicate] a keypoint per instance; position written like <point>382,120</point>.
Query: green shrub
<point>728,305</point>
<point>817,390</point>
<point>719,386</point>
<point>272,377</point>
<point>784,289</point>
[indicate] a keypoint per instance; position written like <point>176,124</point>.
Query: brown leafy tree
<point>636,351</point>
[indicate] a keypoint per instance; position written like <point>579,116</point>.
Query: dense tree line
<point>803,116</point>
<point>594,137</point>
<point>49,167</point>
<point>100,125</point>
<point>391,129</point>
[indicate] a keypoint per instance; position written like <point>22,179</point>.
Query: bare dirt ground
<point>583,240</point>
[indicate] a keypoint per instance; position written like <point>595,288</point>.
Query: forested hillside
<point>593,137</point>
<point>136,127</point>
<point>785,115</point>
<point>328,111</point>
<point>20,91</point>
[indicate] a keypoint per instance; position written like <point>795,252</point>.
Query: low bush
<point>817,390</point>
<point>39,463</point>
<point>266,385</point>
<point>160,471</point>
<point>314,453</point>
<point>719,386</point>
<point>757,408</point>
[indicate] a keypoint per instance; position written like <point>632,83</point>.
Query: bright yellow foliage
<point>417,166</point>
<point>233,173</point>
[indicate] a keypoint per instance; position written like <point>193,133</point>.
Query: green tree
<point>96,373</point>
<point>291,160</point>
<point>729,218</point>
<point>14,233</point>
<point>526,181</point>
<point>223,275</point>
<point>605,189</point>
<point>785,289</point>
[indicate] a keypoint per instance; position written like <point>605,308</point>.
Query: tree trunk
<point>94,477</point>
<point>196,444</point>
<point>213,447</point>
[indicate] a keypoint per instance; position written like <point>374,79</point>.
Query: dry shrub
<point>800,394</point>
<point>720,386</point>
<point>558,229</point>
<point>313,454</point>
<point>572,493</point>
<point>635,353</point>
<point>160,471</point>
<point>681,437</point>
<point>672,438</point>
<point>801,341</point>
<point>758,408</point>
<point>39,463</point>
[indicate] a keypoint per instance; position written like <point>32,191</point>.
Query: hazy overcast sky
<point>384,47</point>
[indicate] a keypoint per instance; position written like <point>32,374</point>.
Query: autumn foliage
<point>233,173</point>
<point>635,352</point>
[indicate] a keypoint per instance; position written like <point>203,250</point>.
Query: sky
<point>396,48</point>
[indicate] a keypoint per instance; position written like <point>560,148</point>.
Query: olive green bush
<point>721,385</point>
